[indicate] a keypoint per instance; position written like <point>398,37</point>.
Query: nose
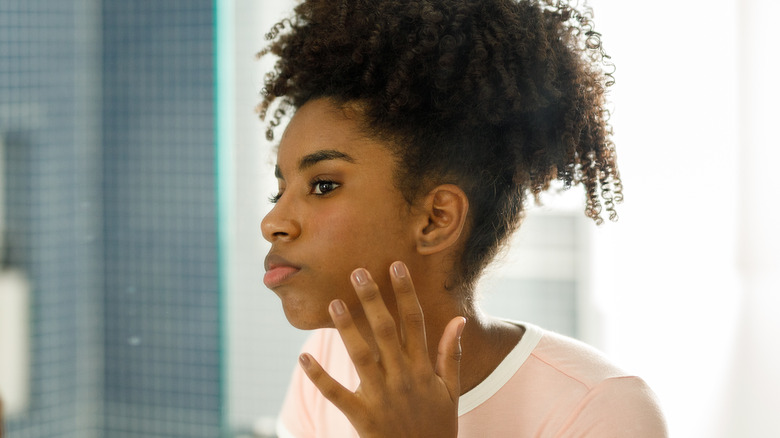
<point>279,224</point>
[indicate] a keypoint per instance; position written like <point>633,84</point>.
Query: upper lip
<point>273,261</point>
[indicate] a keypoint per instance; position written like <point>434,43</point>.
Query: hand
<point>400,392</point>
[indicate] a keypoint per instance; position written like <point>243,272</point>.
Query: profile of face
<point>337,209</point>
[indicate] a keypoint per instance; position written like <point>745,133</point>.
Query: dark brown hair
<point>500,97</point>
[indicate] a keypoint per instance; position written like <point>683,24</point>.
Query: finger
<point>409,312</point>
<point>332,390</point>
<point>359,351</point>
<point>380,320</point>
<point>449,355</point>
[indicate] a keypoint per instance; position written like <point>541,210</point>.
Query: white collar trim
<point>504,371</point>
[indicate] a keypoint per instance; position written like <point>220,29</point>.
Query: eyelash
<point>273,199</point>
<point>314,185</point>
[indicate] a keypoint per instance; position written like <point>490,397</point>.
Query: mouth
<point>278,271</point>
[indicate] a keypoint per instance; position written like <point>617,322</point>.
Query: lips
<point>277,271</point>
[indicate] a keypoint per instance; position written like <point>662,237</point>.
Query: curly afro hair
<point>500,97</point>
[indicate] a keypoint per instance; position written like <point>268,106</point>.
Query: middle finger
<point>380,320</point>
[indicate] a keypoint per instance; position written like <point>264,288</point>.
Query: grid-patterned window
<point>106,111</point>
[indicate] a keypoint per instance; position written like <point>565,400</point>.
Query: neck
<point>485,340</point>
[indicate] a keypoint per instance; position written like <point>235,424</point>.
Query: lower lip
<point>277,276</point>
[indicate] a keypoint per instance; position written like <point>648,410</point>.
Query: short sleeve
<point>617,407</point>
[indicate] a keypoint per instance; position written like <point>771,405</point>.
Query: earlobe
<point>445,211</point>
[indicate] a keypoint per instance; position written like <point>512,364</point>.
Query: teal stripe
<point>224,74</point>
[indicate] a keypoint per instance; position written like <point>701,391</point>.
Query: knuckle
<point>315,374</point>
<point>385,329</point>
<point>405,288</point>
<point>455,354</point>
<point>363,357</point>
<point>330,392</point>
<point>369,293</point>
<point>415,318</point>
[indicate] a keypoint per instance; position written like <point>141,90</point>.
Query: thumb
<point>449,355</point>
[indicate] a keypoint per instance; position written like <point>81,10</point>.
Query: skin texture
<point>374,267</point>
<point>362,222</point>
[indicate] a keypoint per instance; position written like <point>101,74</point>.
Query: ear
<point>443,218</point>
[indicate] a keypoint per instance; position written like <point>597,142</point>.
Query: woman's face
<point>337,209</point>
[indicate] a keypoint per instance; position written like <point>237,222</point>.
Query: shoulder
<point>574,359</point>
<point>619,407</point>
<point>563,387</point>
<point>600,395</point>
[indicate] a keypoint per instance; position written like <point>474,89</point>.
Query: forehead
<point>320,125</point>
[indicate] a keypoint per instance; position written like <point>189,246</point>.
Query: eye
<point>323,187</point>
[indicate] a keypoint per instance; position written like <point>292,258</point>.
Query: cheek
<point>334,230</point>
<point>348,237</point>
<point>347,229</point>
<point>342,238</point>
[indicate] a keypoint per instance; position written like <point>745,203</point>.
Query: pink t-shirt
<point>547,386</point>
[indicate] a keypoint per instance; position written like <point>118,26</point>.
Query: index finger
<point>410,312</point>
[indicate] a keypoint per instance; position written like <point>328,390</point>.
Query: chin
<point>304,318</point>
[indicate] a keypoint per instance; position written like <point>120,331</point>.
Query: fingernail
<point>399,270</point>
<point>304,360</point>
<point>461,327</point>
<point>338,307</point>
<point>360,276</point>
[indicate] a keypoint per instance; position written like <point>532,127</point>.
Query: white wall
<point>751,405</point>
<point>683,277</point>
<point>262,347</point>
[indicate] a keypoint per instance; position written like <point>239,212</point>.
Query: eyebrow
<point>315,157</point>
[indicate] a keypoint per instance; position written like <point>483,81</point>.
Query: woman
<point>419,129</point>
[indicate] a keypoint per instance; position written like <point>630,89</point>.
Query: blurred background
<point>134,175</point>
